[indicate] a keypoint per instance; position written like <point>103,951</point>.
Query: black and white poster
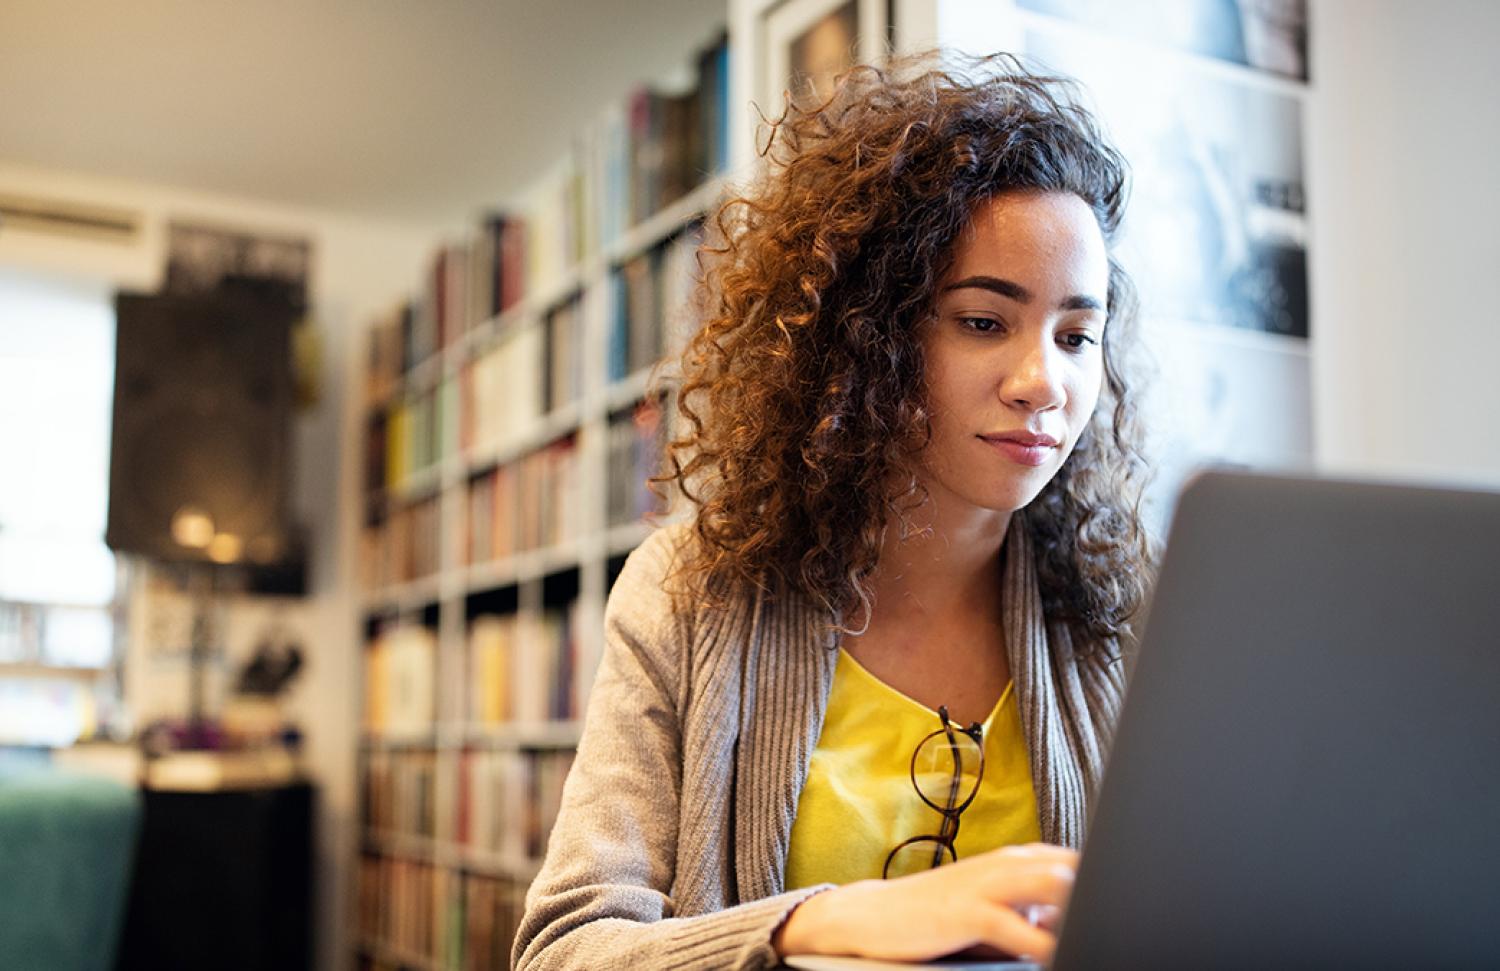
<point>202,258</point>
<point>1268,35</point>
<point>1217,226</point>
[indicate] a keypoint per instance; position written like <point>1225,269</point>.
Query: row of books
<point>526,371</point>
<point>399,792</point>
<point>562,352</point>
<point>458,921</point>
<point>504,802</point>
<point>508,800</point>
<point>398,903</point>
<point>648,152</point>
<point>401,547</point>
<point>498,396</point>
<point>400,681</point>
<point>532,503</point>
<point>392,353</point>
<point>650,305</point>
<point>529,504</point>
<point>634,454</point>
<point>563,212</point>
<point>490,915</point>
<point>497,266</point>
<point>466,283</point>
<point>660,145</point>
<point>520,667</point>
<point>527,668</point>
<point>408,435</point>
<point>487,404</point>
<point>500,389</point>
<point>416,432</point>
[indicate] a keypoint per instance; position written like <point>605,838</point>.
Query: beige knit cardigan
<point>670,848</point>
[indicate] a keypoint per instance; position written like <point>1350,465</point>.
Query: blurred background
<point>325,330</point>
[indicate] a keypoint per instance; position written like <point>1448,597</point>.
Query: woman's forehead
<point>1030,233</point>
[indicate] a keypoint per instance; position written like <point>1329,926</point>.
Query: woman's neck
<point>950,561</point>
<point>936,632</point>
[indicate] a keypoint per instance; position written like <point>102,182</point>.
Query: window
<point>59,583</point>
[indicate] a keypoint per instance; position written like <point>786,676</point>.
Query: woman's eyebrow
<point>1018,293</point>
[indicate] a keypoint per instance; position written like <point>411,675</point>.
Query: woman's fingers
<point>1046,916</point>
<point>1039,881</point>
<point>1002,927</point>
<point>1037,851</point>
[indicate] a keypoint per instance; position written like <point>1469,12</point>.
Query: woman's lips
<point>1020,452</point>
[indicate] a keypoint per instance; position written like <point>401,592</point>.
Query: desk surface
<point>810,962</point>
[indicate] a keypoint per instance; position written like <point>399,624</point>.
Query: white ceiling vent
<point>59,218</point>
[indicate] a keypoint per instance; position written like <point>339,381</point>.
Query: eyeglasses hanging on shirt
<point>946,770</point>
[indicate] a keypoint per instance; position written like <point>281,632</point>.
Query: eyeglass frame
<point>948,832</point>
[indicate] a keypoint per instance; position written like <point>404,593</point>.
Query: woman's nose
<point>1034,382</point>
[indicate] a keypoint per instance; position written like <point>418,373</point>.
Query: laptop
<point>1307,768</point>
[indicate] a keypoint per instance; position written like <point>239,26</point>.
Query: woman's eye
<point>1078,342</point>
<point>982,325</point>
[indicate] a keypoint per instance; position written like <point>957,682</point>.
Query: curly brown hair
<point>802,399</point>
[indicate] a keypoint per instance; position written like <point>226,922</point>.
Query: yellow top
<point>859,802</point>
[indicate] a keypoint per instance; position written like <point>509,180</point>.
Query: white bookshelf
<point>445,600</point>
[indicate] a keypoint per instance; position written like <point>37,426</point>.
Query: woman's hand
<point>977,902</point>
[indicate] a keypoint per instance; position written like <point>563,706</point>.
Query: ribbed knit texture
<point>671,844</point>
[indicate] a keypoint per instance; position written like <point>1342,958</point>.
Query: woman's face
<point>1014,357</point>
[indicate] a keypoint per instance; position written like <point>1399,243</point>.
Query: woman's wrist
<point>813,926</point>
<point>796,933</point>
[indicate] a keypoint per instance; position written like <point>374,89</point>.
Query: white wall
<point>1404,143</point>
<point>359,269</point>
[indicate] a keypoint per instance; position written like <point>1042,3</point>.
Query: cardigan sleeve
<point>603,896</point>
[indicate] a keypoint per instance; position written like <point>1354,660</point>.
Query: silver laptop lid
<point>1307,768</point>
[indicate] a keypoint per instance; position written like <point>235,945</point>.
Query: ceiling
<point>416,111</point>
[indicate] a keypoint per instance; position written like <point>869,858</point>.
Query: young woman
<point>859,703</point>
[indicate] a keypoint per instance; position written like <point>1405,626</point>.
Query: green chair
<point>66,844</point>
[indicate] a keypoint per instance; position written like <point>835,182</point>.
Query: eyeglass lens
<point>946,770</point>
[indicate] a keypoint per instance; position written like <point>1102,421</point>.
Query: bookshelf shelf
<point>398,957</point>
<point>500,865</point>
<point>663,224</point>
<point>627,391</point>
<point>562,422</point>
<point>403,598</point>
<point>424,375</point>
<point>407,845</point>
<point>514,735</point>
<point>486,332</point>
<point>534,735</point>
<point>559,291</point>
<point>420,378</point>
<point>396,743</point>
<point>419,485</point>
<point>435,852</point>
<point>510,435</point>
<point>521,567</point>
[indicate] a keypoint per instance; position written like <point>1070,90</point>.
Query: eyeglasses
<point>946,769</point>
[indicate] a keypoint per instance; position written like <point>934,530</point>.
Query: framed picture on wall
<point>808,43</point>
<point>1267,35</point>
<point>1217,227</point>
<point>201,258</point>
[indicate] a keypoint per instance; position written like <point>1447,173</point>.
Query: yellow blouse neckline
<point>865,675</point>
